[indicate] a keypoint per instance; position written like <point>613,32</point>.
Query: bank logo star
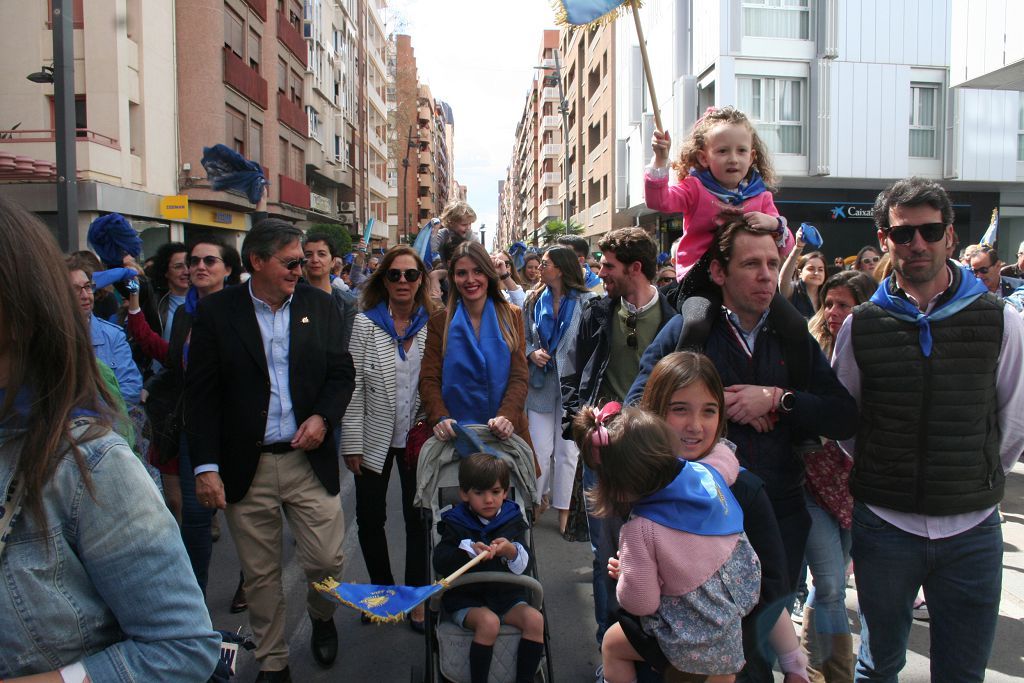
<point>838,212</point>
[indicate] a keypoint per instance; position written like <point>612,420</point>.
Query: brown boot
<point>838,668</point>
<point>810,641</point>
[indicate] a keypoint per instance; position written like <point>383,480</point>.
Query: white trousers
<point>557,457</point>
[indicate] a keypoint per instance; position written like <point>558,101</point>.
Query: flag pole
<point>466,567</point>
<point>647,68</point>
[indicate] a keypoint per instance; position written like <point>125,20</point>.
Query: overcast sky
<point>478,56</point>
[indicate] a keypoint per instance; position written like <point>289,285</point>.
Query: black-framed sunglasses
<point>668,279</point>
<point>292,264</point>
<point>631,340</point>
<point>982,271</point>
<point>904,234</point>
<point>411,274</point>
<point>208,261</point>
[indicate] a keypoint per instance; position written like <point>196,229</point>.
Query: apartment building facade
<point>124,106</point>
<point>847,98</point>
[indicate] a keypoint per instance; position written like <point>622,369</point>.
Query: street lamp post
<point>405,183</point>
<point>64,115</point>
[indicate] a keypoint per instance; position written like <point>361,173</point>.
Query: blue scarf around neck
<point>380,316</point>
<point>967,291</point>
<point>463,516</point>
<point>549,328</point>
<point>475,369</point>
<point>746,190</point>
<point>698,501</point>
<point>191,300</point>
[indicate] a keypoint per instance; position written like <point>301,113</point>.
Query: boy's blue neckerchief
<point>697,501</point>
<point>465,517</point>
<point>967,291</point>
<point>747,188</point>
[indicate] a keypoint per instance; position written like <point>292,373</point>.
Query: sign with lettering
<point>174,207</point>
<point>851,211</point>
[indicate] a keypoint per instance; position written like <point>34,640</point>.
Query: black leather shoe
<point>239,603</point>
<point>324,641</point>
<point>282,676</point>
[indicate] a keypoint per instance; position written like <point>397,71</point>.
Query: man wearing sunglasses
<point>985,264</point>
<point>935,360</point>
<point>267,382</point>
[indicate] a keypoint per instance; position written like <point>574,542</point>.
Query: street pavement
<point>386,653</point>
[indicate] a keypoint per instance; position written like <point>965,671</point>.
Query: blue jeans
<point>195,520</point>
<point>828,554</point>
<point>596,529</point>
<point>962,580</point>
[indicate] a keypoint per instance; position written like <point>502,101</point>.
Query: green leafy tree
<point>342,238</point>
<point>554,229</point>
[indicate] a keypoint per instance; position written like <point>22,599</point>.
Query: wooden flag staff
<point>647,68</point>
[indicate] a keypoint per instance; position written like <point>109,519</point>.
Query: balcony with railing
<point>551,178</point>
<point>549,95</point>
<point>551,121</point>
<point>293,192</point>
<point>291,38</point>
<point>244,78</point>
<point>550,150</point>
<point>292,114</point>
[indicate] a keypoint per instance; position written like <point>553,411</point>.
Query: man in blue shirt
<point>267,382</point>
<point>108,340</point>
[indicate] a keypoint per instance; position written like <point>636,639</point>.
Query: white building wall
<point>985,37</point>
<point>895,32</point>
<point>988,134</point>
<point>706,34</point>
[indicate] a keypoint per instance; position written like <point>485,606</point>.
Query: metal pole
<point>65,134</point>
<point>563,107</point>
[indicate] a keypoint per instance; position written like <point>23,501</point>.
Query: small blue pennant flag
<point>381,603</point>
<point>580,12</point>
<point>992,234</point>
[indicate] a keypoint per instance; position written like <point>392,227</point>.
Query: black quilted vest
<point>928,440</point>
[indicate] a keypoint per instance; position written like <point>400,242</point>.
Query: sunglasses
<point>208,261</point>
<point>292,264</point>
<point>904,234</point>
<point>631,341</point>
<point>665,280</point>
<point>981,271</point>
<point>411,275</point>
<point>871,259</point>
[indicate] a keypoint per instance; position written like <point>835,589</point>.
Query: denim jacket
<point>107,582</point>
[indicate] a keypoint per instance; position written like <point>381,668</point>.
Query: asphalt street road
<point>382,654</point>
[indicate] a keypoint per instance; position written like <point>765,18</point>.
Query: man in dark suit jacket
<point>267,382</point>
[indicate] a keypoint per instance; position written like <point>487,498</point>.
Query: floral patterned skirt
<point>700,632</point>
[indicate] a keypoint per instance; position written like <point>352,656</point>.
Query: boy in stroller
<point>486,522</point>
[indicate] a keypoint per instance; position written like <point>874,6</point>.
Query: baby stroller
<point>437,489</point>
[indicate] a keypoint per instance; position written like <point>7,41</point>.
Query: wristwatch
<point>787,402</point>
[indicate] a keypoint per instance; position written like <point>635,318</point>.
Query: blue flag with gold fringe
<point>380,603</point>
<point>581,12</point>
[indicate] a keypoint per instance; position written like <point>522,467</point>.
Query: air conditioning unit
<point>347,217</point>
<point>347,207</point>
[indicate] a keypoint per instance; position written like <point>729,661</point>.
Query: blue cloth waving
<point>229,170</point>
<point>475,369</point>
<point>111,237</point>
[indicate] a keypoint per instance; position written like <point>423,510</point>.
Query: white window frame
<point>763,123</point>
<point>914,124</point>
<point>788,6</point>
<point>1020,127</point>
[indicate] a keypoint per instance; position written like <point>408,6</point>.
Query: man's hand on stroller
<point>501,427</point>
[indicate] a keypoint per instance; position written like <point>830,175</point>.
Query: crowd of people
<point>727,428</point>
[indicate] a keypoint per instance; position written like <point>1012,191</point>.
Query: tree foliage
<point>341,235</point>
<point>555,228</point>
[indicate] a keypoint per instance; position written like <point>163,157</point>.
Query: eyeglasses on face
<point>983,270</point>
<point>208,261</point>
<point>411,274</point>
<point>179,265</point>
<point>871,259</point>
<point>81,289</point>
<point>666,280</point>
<point>292,264</point>
<point>631,340</point>
<point>544,265</point>
<point>904,234</point>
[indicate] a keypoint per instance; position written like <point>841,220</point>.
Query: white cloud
<point>478,56</point>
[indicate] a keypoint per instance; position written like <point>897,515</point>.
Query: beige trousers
<point>284,483</point>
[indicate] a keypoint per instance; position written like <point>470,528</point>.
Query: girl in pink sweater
<point>724,173</point>
<point>685,568</point>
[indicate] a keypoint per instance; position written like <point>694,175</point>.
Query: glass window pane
<point>789,100</point>
<point>745,96</point>
<point>1020,148</point>
<point>922,143</point>
<point>791,139</point>
<point>926,115</point>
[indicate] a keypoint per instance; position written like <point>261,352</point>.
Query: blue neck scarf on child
<point>745,190</point>
<point>380,316</point>
<point>475,369</point>
<point>698,501</point>
<point>967,291</point>
<point>465,517</point>
<point>549,327</point>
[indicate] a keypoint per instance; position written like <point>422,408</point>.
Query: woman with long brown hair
<point>387,346</point>
<point>474,367</point>
<point>84,536</point>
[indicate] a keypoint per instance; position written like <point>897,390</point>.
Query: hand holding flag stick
<point>384,604</point>
<point>594,13</point>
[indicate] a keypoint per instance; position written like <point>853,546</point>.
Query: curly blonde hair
<point>695,142</point>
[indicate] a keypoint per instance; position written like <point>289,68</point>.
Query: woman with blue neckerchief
<point>552,314</point>
<point>474,367</point>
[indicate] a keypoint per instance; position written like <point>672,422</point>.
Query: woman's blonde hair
<point>676,371</point>
<point>697,138</point>
<point>457,212</point>
<point>638,459</point>
<point>506,317</point>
